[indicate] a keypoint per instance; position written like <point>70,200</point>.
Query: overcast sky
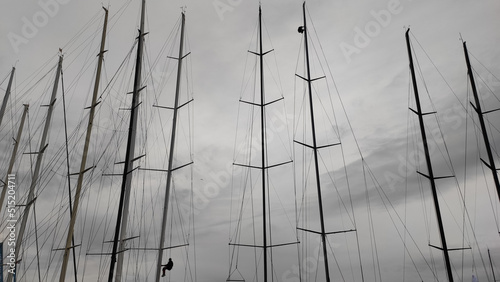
<point>364,45</point>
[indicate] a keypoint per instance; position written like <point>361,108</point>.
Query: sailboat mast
<point>38,165</point>
<point>480,114</point>
<point>263,148</point>
<point>431,178</point>
<point>122,217</point>
<point>13,156</point>
<point>171,152</point>
<point>76,202</point>
<point>491,265</point>
<point>315,150</point>
<point>7,94</point>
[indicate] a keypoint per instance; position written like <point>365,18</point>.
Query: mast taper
<point>171,153</point>
<point>122,217</point>
<point>491,265</point>
<point>315,150</point>
<point>480,114</point>
<point>267,245</point>
<point>7,95</point>
<point>263,147</point>
<point>74,212</point>
<point>13,156</point>
<point>430,176</point>
<point>38,165</point>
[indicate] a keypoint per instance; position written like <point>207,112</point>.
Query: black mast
<point>315,147</point>
<point>491,264</point>
<point>263,166</point>
<point>263,138</point>
<point>480,114</point>
<point>266,246</point>
<point>431,177</point>
<point>129,157</point>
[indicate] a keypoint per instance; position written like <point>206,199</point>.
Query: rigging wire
<point>365,161</point>
<point>490,72</point>
<point>461,195</point>
<point>465,173</point>
<point>68,169</point>
<point>338,136</point>
<point>36,244</point>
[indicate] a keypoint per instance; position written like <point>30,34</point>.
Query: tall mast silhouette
<point>122,217</point>
<point>430,176</point>
<point>477,107</point>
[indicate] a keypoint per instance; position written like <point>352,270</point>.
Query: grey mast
<point>171,152</point>
<point>7,95</point>
<point>13,156</point>
<point>38,165</point>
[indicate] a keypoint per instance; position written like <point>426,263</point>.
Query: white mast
<point>84,156</point>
